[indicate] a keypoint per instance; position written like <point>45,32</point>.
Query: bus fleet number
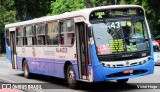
<point>61,50</point>
<point>113,25</point>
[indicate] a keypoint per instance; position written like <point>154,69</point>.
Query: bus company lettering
<point>61,50</point>
<point>50,53</point>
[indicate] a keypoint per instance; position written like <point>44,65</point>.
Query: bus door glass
<point>82,49</point>
<point>13,47</point>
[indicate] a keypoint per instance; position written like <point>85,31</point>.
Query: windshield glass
<point>120,35</point>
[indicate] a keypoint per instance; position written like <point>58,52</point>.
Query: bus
<point>91,45</point>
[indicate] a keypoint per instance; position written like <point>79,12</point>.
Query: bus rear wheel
<point>122,81</point>
<point>26,70</point>
<point>71,78</point>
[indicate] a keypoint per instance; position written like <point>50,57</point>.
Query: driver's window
<point>139,30</point>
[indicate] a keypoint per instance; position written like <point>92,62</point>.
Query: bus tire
<point>71,78</point>
<point>122,81</point>
<point>26,70</point>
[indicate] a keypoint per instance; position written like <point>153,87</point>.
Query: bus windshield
<point>120,35</point>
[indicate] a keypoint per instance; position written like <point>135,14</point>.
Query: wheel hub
<point>71,76</point>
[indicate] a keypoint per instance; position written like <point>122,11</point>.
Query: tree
<point>153,14</point>
<point>88,3</point>
<point>61,6</point>
<point>7,15</point>
<point>29,9</point>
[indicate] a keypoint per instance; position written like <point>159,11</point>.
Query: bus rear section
<point>10,45</point>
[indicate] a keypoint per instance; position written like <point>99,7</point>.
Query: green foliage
<point>7,13</point>
<point>29,9</point>
<point>99,2</point>
<point>61,6</point>
<point>138,27</point>
<point>122,2</point>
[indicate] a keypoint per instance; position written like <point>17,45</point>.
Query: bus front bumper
<point>101,73</point>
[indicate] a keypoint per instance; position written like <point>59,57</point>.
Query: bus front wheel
<point>122,81</point>
<point>71,78</point>
<point>26,70</point>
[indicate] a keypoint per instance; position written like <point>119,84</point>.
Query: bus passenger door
<point>13,47</point>
<point>82,45</point>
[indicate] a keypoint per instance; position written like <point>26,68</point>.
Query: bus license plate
<point>128,71</point>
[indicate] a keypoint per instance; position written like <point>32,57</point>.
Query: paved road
<point>7,75</point>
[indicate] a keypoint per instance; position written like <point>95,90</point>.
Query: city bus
<point>91,45</point>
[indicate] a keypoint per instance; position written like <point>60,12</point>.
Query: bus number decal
<point>113,25</point>
<point>61,50</point>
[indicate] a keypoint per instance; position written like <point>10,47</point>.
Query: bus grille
<point>121,74</point>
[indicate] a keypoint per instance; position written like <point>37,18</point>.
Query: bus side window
<point>72,39</point>
<point>19,36</point>
<point>29,35</point>
<point>7,37</point>
<point>41,40</point>
<point>52,33</point>
<point>40,33</point>
<point>62,39</point>
<point>67,32</point>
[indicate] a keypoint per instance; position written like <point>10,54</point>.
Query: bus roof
<point>84,12</point>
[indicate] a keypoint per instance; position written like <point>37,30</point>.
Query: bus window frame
<point>53,45</point>
<point>39,35</point>
<point>7,36</point>
<point>26,36</point>
<point>74,38</point>
<point>20,36</point>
